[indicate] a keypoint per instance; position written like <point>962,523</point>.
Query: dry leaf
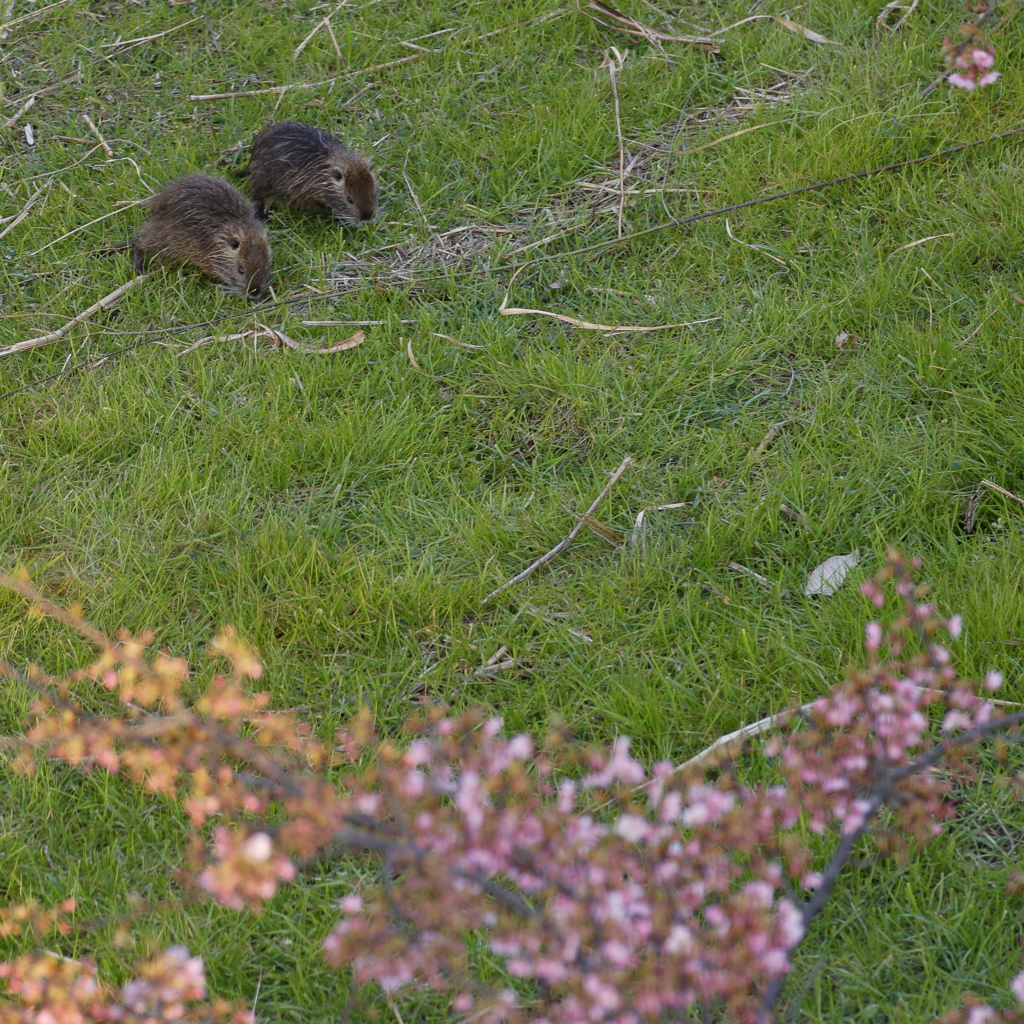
<point>827,578</point>
<point>843,339</point>
<point>801,31</point>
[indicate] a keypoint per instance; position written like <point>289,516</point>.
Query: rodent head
<point>243,260</point>
<point>352,190</point>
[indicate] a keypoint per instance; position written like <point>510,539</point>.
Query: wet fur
<point>293,164</point>
<point>208,223</point>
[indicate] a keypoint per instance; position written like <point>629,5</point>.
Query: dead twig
<point>770,437</point>
<point>47,339</point>
<point>882,21</point>
<point>24,212</point>
<point>727,747</point>
<point>755,576</point>
<point>12,121</point>
<point>563,544</point>
<point>802,520</point>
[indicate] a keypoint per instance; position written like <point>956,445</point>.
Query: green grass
<point>348,513</point>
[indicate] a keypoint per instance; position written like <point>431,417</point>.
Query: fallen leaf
<point>843,339</point>
<point>827,578</point>
<point>801,31</point>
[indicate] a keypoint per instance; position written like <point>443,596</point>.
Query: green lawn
<point>348,513</point>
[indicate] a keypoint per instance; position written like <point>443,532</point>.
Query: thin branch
<point>768,199</point>
<point>47,339</point>
<point>957,50</point>
<point>563,544</point>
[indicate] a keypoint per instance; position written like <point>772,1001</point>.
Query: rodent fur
<point>209,223</point>
<point>297,165</point>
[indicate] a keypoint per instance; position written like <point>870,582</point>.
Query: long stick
<point>768,199</point>
<point>46,339</point>
<point>562,545</point>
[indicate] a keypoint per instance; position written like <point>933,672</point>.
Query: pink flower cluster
<point>46,989</point>
<point>625,897</point>
<point>975,67</point>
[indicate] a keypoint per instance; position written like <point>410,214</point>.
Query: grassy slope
<point>348,513</point>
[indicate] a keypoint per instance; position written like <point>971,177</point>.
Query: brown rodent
<point>298,165</point>
<point>209,223</point>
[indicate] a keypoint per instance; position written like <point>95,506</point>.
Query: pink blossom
<point>981,1015</point>
<point>989,77</point>
<point>791,923</point>
<point>1017,987</point>
<point>633,828</point>
<point>993,680</point>
<point>961,81</point>
<point>982,58</point>
<point>257,848</point>
<point>955,625</point>
<point>873,633</point>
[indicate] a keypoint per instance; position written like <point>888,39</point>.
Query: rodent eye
<point>338,175</point>
<point>349,199</point>
<point>235,243</point>
<point>241,269</point>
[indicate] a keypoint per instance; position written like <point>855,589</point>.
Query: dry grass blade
<point>760,249</point>
<point>587,326</point>
<point>278,89</point>
<point>755,576</point>
<point>113,213</point>
<point>632,27</point>
<point>32,14</point>
<point>604,532</point>
<point>102,141</point>
<point>506,310</point>
<point>715,142</point>
<point>793,26</point>
<point>47,339</point>
<point>127,43</point>
<point>1001,490</point>
<point>919,241</point>
<point>412,356</point>
<point>563,544</point>
<point>455,341</point>
<point>24,212</point>
<point>213,337</point>
<point>616,61</point>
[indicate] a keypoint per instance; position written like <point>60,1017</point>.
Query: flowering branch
<point>622,904</point>
<point>970,62</point>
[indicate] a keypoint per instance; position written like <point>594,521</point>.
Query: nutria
<point>207,222</point>
<point>298,165</point>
